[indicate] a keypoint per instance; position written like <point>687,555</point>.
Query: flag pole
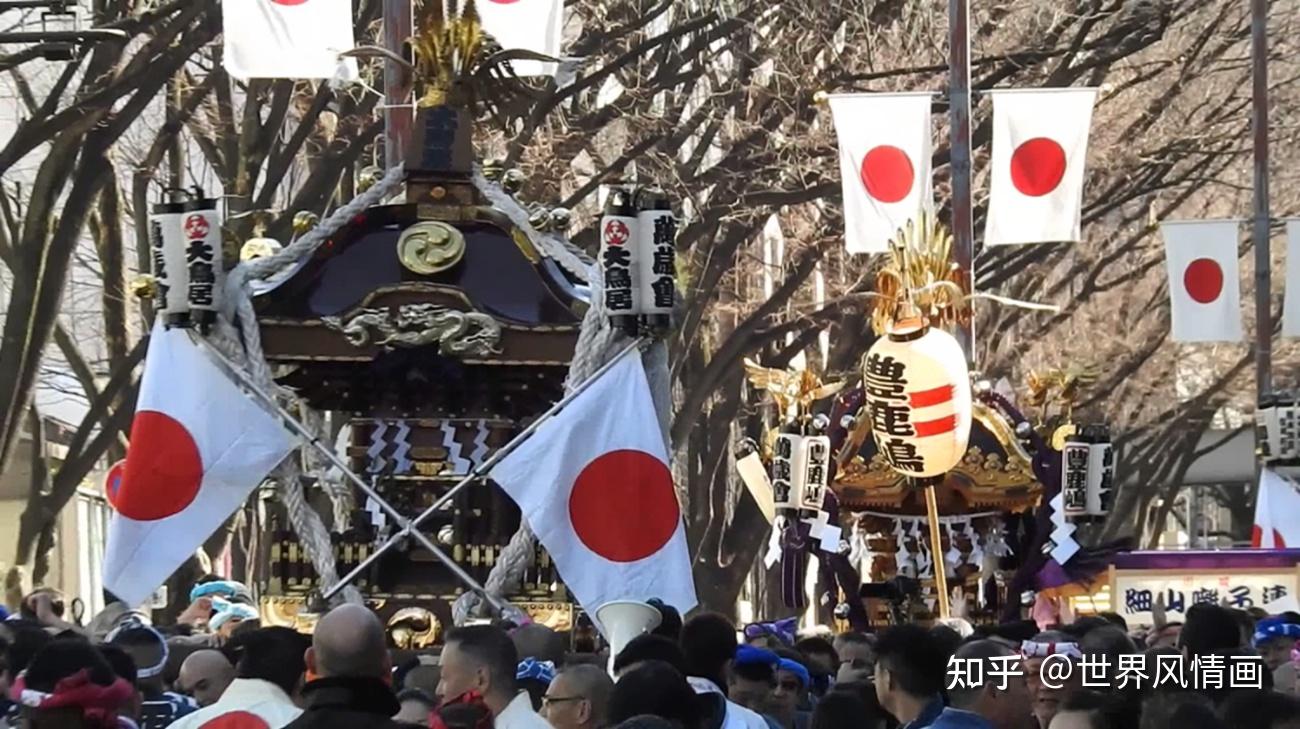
<point>410,527</point>
<point>963,235</point>
<point>959,109</point>
<point>1263,258</point>
<point>397,95</point>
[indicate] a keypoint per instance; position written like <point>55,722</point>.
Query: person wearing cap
<point>752,679</point>
<point>229,616</point>
<point>793,682</point>
<point>147,647</point>
<point>1275,638</point>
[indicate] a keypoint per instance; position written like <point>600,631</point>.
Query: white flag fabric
<point>595,486</point>
<point>1277,513</point>
<point>288,39</point>
<point>1204,291</point>
<point>885,149</point>
<point>528,25</point>
<point>1040,149</point>
<point>1291,297</point>
<point>199,446</point>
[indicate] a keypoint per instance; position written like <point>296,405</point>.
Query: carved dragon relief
<point>459,333</point>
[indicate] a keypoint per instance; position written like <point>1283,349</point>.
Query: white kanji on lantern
<point>918,397</point>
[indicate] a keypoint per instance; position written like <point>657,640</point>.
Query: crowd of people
<point>221,669</point>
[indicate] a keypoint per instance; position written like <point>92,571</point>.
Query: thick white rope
<point>554,246</point>
<point>242,343</point>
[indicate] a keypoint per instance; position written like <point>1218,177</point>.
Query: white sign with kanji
<point>1134,593</point>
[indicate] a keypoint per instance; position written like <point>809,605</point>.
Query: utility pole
<point>397,95</point>
<point>1263,257</point>
<point>959,106</point>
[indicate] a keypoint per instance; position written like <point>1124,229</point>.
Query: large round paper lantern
<point>918,397</point>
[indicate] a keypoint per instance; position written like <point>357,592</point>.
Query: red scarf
<point>99,704</point>
<point>469,698</point>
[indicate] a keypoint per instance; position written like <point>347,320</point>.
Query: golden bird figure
<point>794,390</point>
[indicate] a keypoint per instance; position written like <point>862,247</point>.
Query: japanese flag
<point>1291,300</point>
<point>529,25</point>
<point>884,164</point>
<point>198,448</point>
<point>1203,289</point>
<point>288,39</point>
<point>1040,146</point>
<point>1277,513</point>
<point>594,484</point>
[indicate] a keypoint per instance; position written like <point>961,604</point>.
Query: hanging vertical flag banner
<point>1204,293</point>
<point>885,149</point>
<point>288,39</point>
<point>526,25</point>
<point>1291,299</point>
<point>1040,147</point>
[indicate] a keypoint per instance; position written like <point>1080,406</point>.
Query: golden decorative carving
<point>255,248</point>
<point>794,390</point>
<point>413,628</point>
<point>447,44</point>
<point>557,616</point>
<point>145,287</point>
<point>304,221</point>
<point>921,274</point>
<point>456,333</point>
<point>430,247</point>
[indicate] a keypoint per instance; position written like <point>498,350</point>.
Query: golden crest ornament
<point>430,247</point>
<point>413,628</point>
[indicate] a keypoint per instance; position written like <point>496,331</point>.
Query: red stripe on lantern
<point>928,428</point>
<point>928,398</point>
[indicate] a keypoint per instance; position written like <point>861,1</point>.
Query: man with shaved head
<point>268,673</point>
<point>351,674</point>
<point>205,674</point>
<point>578,698</point>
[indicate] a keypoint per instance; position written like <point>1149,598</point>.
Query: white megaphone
<point>623,620</point>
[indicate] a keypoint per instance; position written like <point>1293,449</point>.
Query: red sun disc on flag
<point>616,233</point>
<point>236,720</point>
<point>1037,166</point>
<point>163,469</point>
<point>623,506</point>
<point>1203,280</point>
<point>887,173</point>
<point>285,2</point>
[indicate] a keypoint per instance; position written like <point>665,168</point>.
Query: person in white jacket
<point>269,672</point>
